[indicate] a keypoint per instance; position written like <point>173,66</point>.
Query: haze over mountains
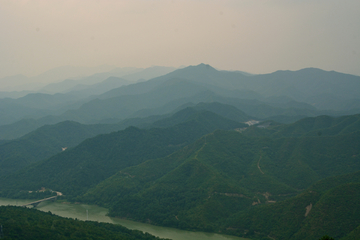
<point>284,95</point>
<point>21,82</point>
<point>265,156</point>
<point>68,78</point>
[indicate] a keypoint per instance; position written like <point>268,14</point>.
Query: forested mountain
<point>202,110</point>
<point>221,176</point>
<point>11,111</point>
<point>170,96</point>
<point>124,106</point>
<point>207,182</point>
<point>22,127</point>
<point>51,139</point>
<point>280,93</point>
<point>330,206</point>
<point>313,126</point>
<point>46,142</point>
<point>189,161</point>
<point>95,159</point>
<point>284,95</point>
<point>203,184</point>
<point>306,85</point>
<point>37,105</point>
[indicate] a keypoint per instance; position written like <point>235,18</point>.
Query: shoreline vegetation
<point>98,214</point>
<point>25,223</point>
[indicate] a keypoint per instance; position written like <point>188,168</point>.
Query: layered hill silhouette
<point>46,142</point>
<point>56,98</point>
<point>189,161</point>
<point>52,139</point>
<point>22,127</point>
<point>284,95</point>
<point>244,92</point>
<point>221,176</point>
<point>97,158</point>
<point>303,86</point>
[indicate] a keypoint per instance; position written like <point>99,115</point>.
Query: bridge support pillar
<point>35,204</point>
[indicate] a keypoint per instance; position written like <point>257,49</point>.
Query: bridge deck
<point>39,201</point>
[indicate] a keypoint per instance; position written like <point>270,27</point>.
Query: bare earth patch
<point>258,165</point>
<point>308,209</point>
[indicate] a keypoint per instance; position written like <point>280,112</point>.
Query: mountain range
<point>284,96</point>
<point>271,156</point>
<point>162,176</point>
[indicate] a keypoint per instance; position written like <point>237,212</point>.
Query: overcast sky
<point>257,36</point>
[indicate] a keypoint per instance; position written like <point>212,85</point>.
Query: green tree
<point>326,237</point>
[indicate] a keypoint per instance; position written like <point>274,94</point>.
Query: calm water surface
<point>96,213</point>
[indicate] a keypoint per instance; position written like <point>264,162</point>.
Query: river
<point>95,213</point>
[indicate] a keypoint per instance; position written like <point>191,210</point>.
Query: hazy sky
<point>257,36</point>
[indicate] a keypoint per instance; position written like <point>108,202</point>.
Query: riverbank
<point>94,213</point>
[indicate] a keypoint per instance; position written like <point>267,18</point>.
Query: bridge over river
<point>39,201</point>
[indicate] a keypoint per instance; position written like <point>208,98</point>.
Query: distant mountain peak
<point>201,66</point>
<point>204,64</point>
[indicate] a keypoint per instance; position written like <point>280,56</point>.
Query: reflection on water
<point>96,213</point>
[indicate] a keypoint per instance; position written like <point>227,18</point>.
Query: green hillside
<point>50,139</point>
<point>225,110</point>
<point>200,114</point>
<point>45,142</point>
<point>311,126</point>
<point>24,224</point>
<point>336,213</point>
<point>265,182</point>
<point>243,184</point>
<point>19,128</point>
<point>224,174</point>
<point>331,207</point>
<point>124,106</point>
<point>75,170</point>
<point>25,126</point>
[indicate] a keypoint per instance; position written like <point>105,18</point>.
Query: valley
<point>179,120</point>
<point>194,151</point>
